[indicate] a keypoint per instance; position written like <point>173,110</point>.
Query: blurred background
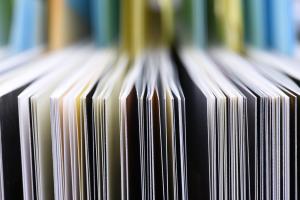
<point>138,24</point>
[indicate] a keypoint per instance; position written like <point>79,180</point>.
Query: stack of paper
<point>83,123</point>
<point>200,100</point>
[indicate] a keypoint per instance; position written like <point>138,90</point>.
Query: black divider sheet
<point>10,145</point>
<point>196,137</point>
